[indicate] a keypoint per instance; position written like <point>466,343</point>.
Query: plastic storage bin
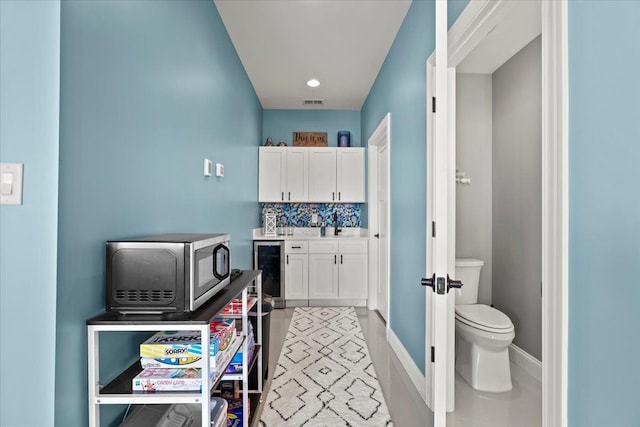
<point>178,415</point>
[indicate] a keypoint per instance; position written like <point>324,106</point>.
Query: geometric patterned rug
<point>324,375</point>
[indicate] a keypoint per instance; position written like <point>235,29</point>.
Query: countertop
<point>312,233</point>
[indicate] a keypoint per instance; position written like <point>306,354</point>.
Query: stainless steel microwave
<point>166,273</point>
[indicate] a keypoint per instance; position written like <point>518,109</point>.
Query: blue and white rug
<point>324,375</point>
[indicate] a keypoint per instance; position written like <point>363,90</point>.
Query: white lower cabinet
<point>296,270</point>
<point>323,276</point>
<point>353,276</point>
<point>334,270</point>
<point>297,276</point>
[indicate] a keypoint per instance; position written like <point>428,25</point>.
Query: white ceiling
<point>522,24</point>
<point>284,43</point>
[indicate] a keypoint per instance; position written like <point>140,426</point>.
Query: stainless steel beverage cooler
<point>268,256</point>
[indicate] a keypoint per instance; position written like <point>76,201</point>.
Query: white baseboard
<point>527,362</point>
<point>416,376</point>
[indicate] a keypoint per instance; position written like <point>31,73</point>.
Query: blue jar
<point>344,138</point>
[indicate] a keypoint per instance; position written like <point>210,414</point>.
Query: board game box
<point>169,379</point>
<point>177,344</point>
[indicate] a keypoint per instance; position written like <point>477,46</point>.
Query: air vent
<point>313,101</point>
<point>133,296</point>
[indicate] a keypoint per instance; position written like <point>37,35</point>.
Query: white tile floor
<point>521,407</point>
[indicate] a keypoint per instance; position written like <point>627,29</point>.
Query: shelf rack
<point>119,390</point>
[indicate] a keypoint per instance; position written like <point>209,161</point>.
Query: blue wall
<point>280,124</point>
<point>604,221</point>
<point>148,89</point>
<point>400,89</point>
<point>29,119</point>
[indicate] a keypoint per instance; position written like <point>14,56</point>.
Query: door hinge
<point>433,104</point>
<point>433,229</point>
<point>433,354</point>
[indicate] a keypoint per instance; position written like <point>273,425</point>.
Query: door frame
<point>376,140</point>
<point>477,20</point>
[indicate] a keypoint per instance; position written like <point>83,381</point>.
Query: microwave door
<point>203,272</point>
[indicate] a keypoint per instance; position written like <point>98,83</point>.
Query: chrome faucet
<point>336,229</point>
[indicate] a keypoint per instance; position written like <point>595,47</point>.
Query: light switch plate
<point>208,167</point>
<point>219,169</point>
<point>11,183</point>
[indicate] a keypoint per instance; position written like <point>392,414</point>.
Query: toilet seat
<point>485,318</point>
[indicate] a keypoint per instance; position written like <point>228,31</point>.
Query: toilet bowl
<point>483,334</point>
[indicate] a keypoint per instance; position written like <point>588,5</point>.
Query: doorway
<point>379,218</point>
<point>481,23</point>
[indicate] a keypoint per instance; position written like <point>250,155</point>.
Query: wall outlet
<point>219,169</point>
<point>314,219</point>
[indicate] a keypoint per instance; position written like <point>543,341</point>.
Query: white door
<point>322,175</point>
<point>440,303</point>
<point>383,237</point>
<point>272,170</point>
<point>323,276</point>
<point>296,276</point>
<point>297,176</point>
<point>350,175</point>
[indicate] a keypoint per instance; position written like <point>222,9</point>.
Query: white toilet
<point>483,334</point>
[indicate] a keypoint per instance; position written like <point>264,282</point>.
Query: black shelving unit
<point>119,389</point>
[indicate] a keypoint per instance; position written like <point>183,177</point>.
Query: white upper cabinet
<point>322,175</point>
<point>283,174</point>
<point>272,174</point>
<point>297,177</point>
<point>350,175</point>
<point>311,174</point>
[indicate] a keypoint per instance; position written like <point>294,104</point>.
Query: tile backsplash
<point>299,214</point>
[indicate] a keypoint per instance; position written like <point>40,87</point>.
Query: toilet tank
<point>468,271</point>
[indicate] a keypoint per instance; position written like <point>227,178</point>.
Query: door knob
<point>377,235</point>
<point>430,282</point>
<point>452,283</point>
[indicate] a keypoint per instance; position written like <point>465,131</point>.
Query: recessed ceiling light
<point>313,83</point>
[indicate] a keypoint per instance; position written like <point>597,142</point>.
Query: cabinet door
<point>322,175</point>
<point>352,282</point>
<point>323,276</point>
<point>297,179</point>
<point>272,169</point>
<point>296,284</point>
<point>350,175</point>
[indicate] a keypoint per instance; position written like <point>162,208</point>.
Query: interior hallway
<point>520,407</point>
